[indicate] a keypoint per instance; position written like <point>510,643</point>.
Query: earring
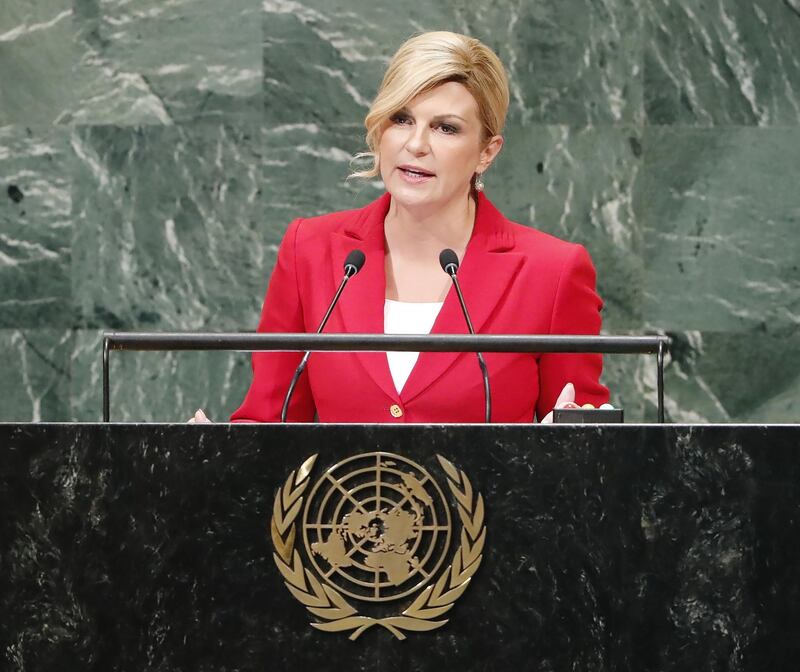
<point>479,182</point>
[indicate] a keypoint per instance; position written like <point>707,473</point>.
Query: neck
<point>447,225</point>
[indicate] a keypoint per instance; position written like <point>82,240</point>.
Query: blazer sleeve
<point>576,310</point>
<point>282,312</point>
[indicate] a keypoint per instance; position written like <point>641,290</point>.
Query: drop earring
<point>479,182</point>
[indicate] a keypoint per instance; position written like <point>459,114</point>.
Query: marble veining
<point>35,228</point>
<point>720,243</point>
<point>153,153</point>
<point>719,63</point>
<point>165,63</point>
<point>608,548</point>
<point>36,57</point>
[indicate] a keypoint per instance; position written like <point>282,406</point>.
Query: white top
<point>402,317</point>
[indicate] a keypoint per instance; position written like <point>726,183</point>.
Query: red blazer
<point>516,280</point>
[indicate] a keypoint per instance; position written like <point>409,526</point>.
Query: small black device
<point>587,416</point>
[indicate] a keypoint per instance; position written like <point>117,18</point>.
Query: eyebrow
<point>438,117</point>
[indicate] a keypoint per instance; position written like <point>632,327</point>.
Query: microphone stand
<point>352,265</point>
<point>450,266</point>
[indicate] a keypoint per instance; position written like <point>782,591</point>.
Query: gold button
<point>396,411</point>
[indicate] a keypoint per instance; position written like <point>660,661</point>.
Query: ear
<point>489,152</point>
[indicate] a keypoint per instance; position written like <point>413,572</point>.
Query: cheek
<point>390,139</point>
<point>385,157</point>
<point>387,148</point>
<point>461,159</point>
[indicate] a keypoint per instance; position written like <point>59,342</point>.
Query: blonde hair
<point>422,63</point>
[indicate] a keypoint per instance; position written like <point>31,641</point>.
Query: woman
<point>433,131</point>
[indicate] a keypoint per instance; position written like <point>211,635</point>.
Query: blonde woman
<point>433,130</point>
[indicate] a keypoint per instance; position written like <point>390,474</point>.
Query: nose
<point>417,142</point>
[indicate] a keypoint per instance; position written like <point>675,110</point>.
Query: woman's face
<point>430,149</point>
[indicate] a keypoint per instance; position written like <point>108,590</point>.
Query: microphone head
<point>355,260</point>
<point>448,260</point>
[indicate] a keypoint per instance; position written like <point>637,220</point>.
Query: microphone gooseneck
<point>449,263</point>
<point>352,265</point>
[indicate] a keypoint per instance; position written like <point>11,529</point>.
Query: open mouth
<point>417,173</point>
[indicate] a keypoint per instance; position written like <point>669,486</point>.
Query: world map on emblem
<point>376,526</point>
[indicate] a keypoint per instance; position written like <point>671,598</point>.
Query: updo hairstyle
<point>426,61</point>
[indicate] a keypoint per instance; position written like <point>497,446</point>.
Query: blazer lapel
<point>362,302</point>
<point>485,275</point>
<point>487,271</point>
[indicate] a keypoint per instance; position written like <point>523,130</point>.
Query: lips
<point>415,172</point>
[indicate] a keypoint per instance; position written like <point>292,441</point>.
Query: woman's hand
<point>200,417</point>
<point>565,400</point>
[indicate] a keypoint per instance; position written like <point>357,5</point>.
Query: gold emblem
<point>376,528</point>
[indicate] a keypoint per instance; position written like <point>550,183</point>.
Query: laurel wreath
<point>335,614</point>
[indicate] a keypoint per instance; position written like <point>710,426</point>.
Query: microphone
<point>448,260</point>
<point>352,265</point>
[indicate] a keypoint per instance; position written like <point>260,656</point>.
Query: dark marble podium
<point>639,547</point>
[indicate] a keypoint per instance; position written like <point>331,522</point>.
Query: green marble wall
<point>152,154</point>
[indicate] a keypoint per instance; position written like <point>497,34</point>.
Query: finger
<point>199,416</point>
<point>548,419</point>
<point>567,396</point>
<point>190,421</point>
<point>588,406</point>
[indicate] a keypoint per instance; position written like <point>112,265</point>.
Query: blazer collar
<point>487,270</point>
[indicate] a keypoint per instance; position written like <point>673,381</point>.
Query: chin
<point>415,203</point>
<point>412,196</point>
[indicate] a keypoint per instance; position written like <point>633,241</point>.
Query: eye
<point>448,129</point>
<point>400,118</point>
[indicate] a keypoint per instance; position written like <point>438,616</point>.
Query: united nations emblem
<point>376,528</point>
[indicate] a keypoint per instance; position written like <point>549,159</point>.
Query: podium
<point>635,547</point>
